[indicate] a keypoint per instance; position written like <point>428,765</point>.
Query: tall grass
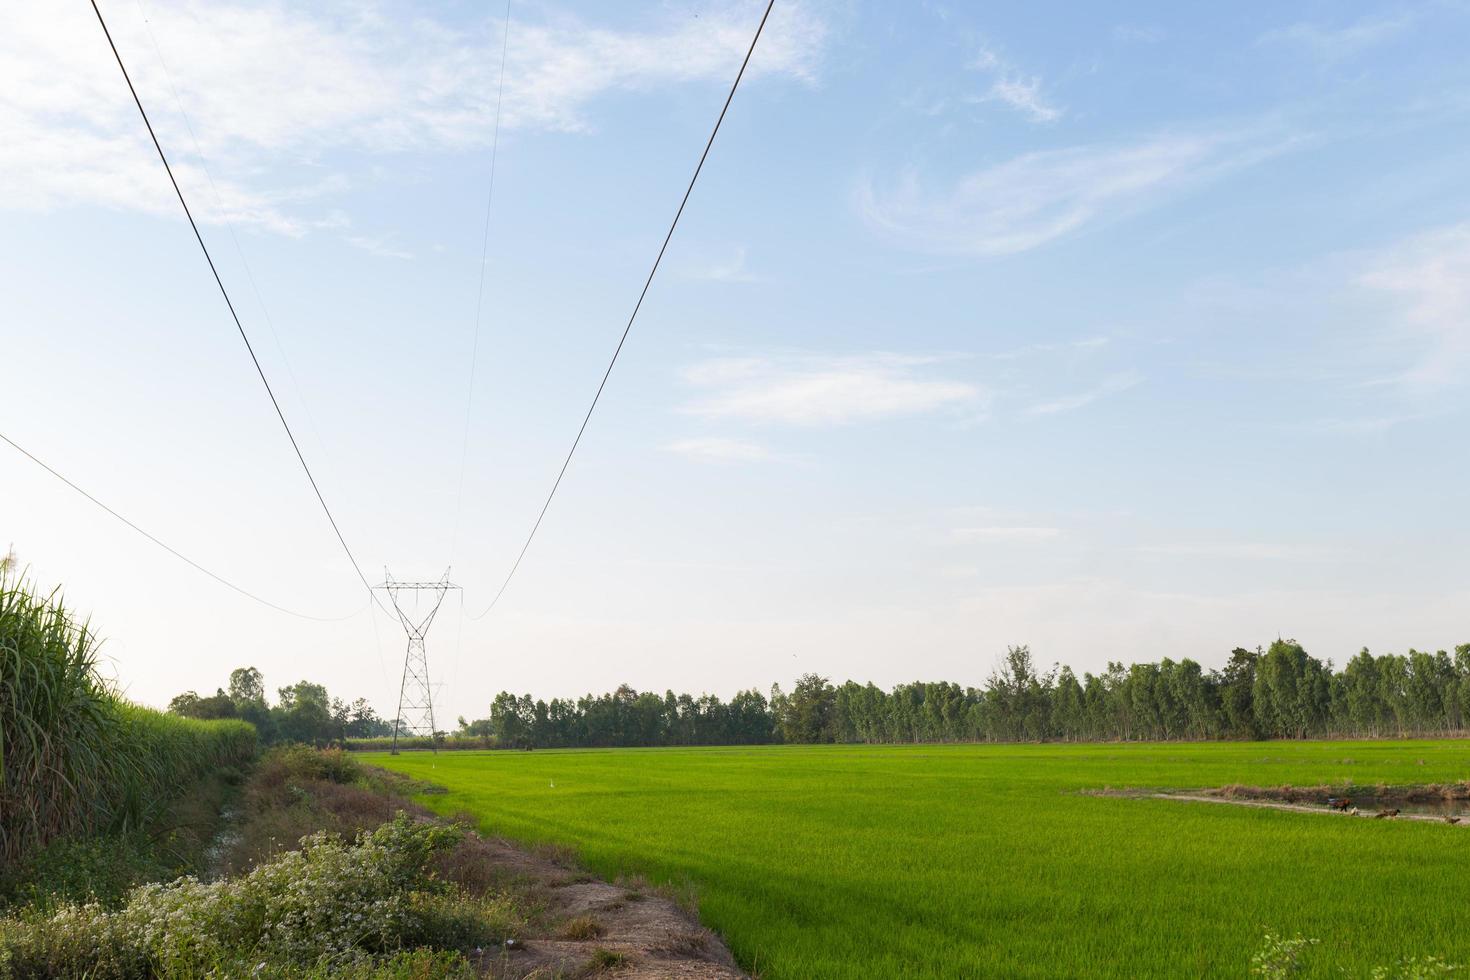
<point>75,758</point>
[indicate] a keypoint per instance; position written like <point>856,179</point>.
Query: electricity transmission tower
<point>415,696</point>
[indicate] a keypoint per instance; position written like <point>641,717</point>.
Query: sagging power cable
<point>634,316</point>
<point>250,348</point>
<point>169,548</point>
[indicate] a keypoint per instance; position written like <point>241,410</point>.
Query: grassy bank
<point>76,760</point>
<point>975,860</point>
<point>321,874</point>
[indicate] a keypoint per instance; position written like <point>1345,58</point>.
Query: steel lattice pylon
<point>415,694</point>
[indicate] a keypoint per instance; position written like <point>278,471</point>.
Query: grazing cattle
<point>1451,819</point>
<point>1381,814</point>
<point>1340,803</point>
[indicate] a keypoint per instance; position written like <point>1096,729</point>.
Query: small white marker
<point>553,784</point>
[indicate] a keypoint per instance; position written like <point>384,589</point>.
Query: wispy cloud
<point>1366,425</point>
<point>818,390</point>
<point>1429,274</point>
<point>1035,198</point>
<point>1082,346</point>
<point>1013,88</point>
<point>381,246</point>
<point>1249,550</point>
<point>713,449</point>
<point>1332,43</point>
<point>1111,385</point>
<point>366,79</point>
<point>728,268</point>
<point>1004,533</point>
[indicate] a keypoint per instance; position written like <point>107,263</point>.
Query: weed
<point>582,927</point>
<point>1280,958</point>
<point>604,960</point>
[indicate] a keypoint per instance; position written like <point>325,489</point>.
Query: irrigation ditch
<point>1445,803</point>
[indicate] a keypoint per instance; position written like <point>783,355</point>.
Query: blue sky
<point>1126,333</point>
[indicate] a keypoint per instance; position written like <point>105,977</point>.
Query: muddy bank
<point>1446,803</point>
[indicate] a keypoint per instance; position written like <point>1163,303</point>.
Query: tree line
<point>303,712</point>
<point>1277,692</point>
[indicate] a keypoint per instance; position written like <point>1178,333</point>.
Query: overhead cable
<point>169,548</point>
<point>225,293</point>
<point>634,316</point>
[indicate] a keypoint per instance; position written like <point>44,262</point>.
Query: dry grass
<point>606,961</point>
<point>582,927</point>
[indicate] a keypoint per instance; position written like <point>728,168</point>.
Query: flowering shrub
<point>332,906</point>
<point>1279,958</point>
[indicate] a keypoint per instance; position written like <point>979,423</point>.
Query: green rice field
<point>986,860</point>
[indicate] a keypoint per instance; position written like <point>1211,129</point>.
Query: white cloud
<point>1331,43</point>
<point>381,246</point>
<point>1038,197</point>
<point>271,91</point>
<point>1368,425</point>
<point>1252,550</point>
<point>554,70</point>
<point>1023,95</point>
<point>728,268</point>
<point>1082,346</point>
<point>1429,274</point>
<point>1110,385</point>
<point>1008,533</point>
<point>1014,89</point>
<point>817,390</point>
<point>713,449</point>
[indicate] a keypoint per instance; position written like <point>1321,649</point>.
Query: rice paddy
<point>993,860</point>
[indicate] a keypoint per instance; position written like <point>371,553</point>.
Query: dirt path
<point>597,928</point>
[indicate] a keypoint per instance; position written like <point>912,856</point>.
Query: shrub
<point>331,906</point>
<point>1280,958</point>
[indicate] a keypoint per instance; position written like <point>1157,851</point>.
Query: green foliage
<point>1417,968</point>
<point>329,907</point>
<point>102,868</point>
<point>75,759</point>
<point>304,713</point>
<point>1278,958</point>
<point>1280,692</point>
<point>841,861</point>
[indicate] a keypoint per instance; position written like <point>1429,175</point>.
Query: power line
<point>177,554</point>
<point>480,292</point>
<point>636,307</point>
<point>230,226</point>
<point>464,448</point>
<point>225,293</point>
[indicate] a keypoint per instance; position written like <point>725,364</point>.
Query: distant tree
<point>480,727</point>
<point>247,686</point>
<point>191,705</point>
<point>304,714</point>
<point>1236,687</point>
<point>808,714</point>
<point>183,704</point>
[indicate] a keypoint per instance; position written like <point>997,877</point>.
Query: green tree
<point>808,714</point>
